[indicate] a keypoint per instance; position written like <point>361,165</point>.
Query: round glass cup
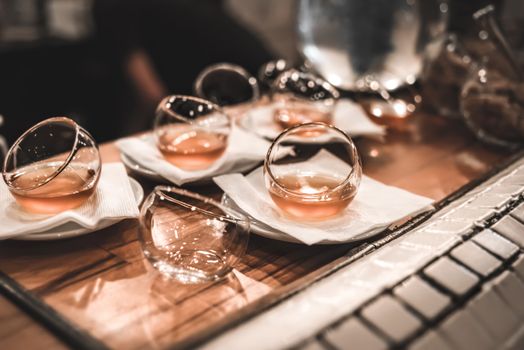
<point>191,133</point>
<point>54,166</point>
<point>389,108</point>
<point>319,178</point>
<point>226,85</point>
<point>190,237</point>
<point>301,97</point>
<point>270,71</point>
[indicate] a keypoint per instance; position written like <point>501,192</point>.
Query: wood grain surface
<point>102,283</point>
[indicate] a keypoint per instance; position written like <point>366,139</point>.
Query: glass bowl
<point>389,108</point>
<point>226,84</point>
<point>54,166</point>
<point>270,71</point>
<point>191,133</point>
<point>300,97</point>
<point>320,178</point>
<point>190,237</point>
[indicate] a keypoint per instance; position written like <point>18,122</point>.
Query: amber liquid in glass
<point>290,116</point>
<point>383,113</point>
<point>311,197</point>
<point>69,189</point>
<point>191,149</point>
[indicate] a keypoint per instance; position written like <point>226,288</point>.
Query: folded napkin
<point>375,207</point>
<point>112,199</point>
<point>244,151</point>
<point>348,116</point>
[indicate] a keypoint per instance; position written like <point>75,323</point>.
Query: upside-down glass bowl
<point>189,237</point>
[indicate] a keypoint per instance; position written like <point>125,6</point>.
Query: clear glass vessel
<point>492,98</point>
<point>443,78</point>
<point>389,108</point>
<point>54,166</point>
<point>191,133</point>
<point>344,41</point>
<point>492,104</point>
<point>271,70</point>
<point>301,97</point>
<point>319,178</point>
<point>190,237</point>
<point>227,84</point>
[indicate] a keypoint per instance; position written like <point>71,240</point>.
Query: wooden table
<point>102,284</point>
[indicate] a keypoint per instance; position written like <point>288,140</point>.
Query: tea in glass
<point>387,107</point>
<point>319,179</point>
<point>191,133</point>
<point>52,167</point>
<point>301,98</point>
<point>191,149</point>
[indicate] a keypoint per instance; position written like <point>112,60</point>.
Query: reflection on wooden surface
<point>102,282</point>
<point>19,331</point>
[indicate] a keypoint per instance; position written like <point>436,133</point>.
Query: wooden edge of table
<point>354,254</point>
<point>65,330</point>
<point>77,338</point>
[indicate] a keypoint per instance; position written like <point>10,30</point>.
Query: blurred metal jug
<point>347,41</point>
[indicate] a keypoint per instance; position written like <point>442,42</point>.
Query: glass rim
<point>343,183</point>
<point>231,67</point>
<point>65,163</point>
<point>172,114</point>
<point>161,190</point>
<point>335,94</point>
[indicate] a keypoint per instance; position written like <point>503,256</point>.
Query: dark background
<point>88,78</point>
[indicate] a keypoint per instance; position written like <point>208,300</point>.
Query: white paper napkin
<point>244,151</point>
<point>113,199</point>
<point>375,207</point>
<point>348,116</point>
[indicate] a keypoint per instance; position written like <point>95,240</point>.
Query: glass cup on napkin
<point>190,237</point>
<point>301,97</point>
<point>54,166</point>
<point>191,133</point>
<point>300,184</point>
<point>389,108</point>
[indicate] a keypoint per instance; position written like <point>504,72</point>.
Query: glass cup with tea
<point>301,97</point>
<point>387,107</point>
<point>320,178</point>
<point>54,166</point>
<point>192,133</point>
<point>190,237</point>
